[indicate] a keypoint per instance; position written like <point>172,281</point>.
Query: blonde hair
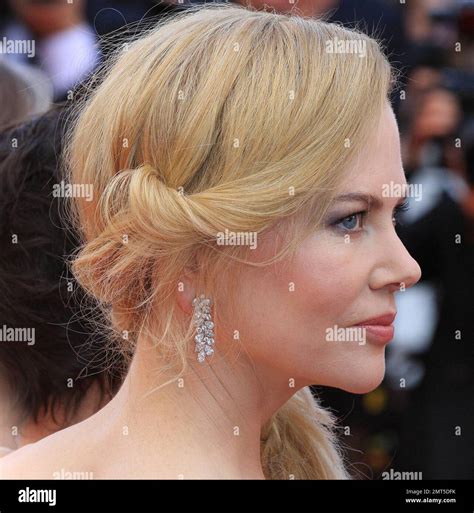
<point>220,118</point>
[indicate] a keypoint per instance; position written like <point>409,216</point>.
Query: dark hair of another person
<point>35,280</point>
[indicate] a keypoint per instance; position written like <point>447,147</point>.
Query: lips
<point>380,329</point>
<point>382,320</point>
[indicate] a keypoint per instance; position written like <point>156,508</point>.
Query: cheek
<point>329,279</point>
<point>285,309</point>
<point>333,277</point>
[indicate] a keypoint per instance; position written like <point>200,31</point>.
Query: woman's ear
<point>186,292</point>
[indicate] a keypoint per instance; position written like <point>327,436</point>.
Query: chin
<point>363,379</point>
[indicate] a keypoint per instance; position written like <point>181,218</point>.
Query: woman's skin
<point>208,425</point>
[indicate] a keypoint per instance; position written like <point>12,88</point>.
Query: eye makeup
<point>336,220</point>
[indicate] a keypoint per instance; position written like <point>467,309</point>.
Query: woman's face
<point>293,319</point>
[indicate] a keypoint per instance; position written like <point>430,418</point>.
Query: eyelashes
<point>362,214</point>
<point>402,207</point>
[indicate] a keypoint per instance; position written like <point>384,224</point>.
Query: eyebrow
<point>369,199</point>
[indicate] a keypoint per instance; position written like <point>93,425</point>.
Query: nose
<point>397,269</point>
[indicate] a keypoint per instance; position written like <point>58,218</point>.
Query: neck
<point>208,422</point>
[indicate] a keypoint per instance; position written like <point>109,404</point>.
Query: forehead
<point>379,160</point>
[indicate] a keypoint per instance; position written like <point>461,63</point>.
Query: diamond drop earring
<point>204,327</point>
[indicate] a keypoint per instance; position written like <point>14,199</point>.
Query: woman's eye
<point>352,222</point>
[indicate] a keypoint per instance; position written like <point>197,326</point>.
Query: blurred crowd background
<point>420,419</point>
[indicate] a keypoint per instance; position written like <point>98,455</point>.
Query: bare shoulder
<point>25,463</point>
<point>52,457</point>
<point>4,451</point>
